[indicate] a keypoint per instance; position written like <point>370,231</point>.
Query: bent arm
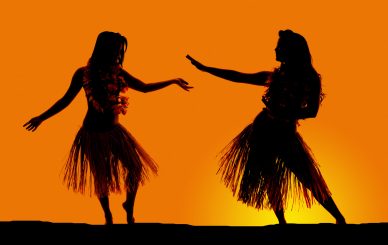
<point>74,88</point>
<point>310,107</point>
<point>310,111</point>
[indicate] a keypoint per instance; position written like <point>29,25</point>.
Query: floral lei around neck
<point>105,92</point>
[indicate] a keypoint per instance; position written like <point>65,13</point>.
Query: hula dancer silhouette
<point>105,156</point>
<point>269,161</point>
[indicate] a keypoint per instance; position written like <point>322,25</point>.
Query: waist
<point>100,121</point>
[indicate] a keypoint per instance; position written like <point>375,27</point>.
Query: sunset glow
<point>44,42</point>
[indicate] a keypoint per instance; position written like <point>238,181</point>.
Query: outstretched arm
<point>259,78</point>
<point>74,88</point>
<point>138,85</point>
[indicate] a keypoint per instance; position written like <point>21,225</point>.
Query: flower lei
<point>107,95</point>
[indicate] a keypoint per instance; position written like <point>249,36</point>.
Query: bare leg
<point>278,209</point>
<point>104,201</point>
<point>129,204</point>
<point>302,173</point>
<point>330,206</point>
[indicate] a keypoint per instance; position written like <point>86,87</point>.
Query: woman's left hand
<point>182,83</point>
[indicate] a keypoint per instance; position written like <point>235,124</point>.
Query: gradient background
<point>44,42</point>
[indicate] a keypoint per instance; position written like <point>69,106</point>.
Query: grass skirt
<point>268,162</point>
<point>108,160</point>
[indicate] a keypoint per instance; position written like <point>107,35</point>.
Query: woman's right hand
<point>196,63</point>
<point>33,124</point>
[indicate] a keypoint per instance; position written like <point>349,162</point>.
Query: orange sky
<point>43,42</point>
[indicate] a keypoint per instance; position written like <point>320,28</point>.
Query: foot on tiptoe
<point>130,218</point>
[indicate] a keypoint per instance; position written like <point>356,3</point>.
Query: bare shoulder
<point>127,76</point>
<point>78,76</point>
<point>132,81</point>
<point>80,71</point>
<point>125,73</point>
<point>263,77</point>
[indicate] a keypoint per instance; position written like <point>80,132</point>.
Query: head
<point>293,52</point>
<point>109,49</point>
<point>292,48</point>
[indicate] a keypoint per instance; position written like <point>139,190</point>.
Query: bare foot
<point>340,221</point>
<point>130,218</point>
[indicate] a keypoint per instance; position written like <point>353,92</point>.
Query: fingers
<point>183,84</point>
<point>185,87</point>
<point>193,61</point>
<point>27,125</point>
<point>189,57</point>
<point>30,127</point>
<point>31,121</point>
<point>183,81</point>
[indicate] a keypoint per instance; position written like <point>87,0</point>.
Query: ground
<point>37,231</point>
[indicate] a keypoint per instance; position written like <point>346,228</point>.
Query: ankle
<point>131,220</point>
<point>108,218</point>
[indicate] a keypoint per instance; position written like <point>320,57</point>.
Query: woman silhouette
<point>104,154</point>
<point>269,160</point>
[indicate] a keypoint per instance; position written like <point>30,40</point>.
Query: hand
<point>33,124</point>
<point>182,83</point>
<point>196,63</point>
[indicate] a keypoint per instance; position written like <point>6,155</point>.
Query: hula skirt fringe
<point>268,162</point>
<point>108,160</point>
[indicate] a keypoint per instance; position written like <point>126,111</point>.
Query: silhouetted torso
<point>104,100</point>
<point>292,96</point>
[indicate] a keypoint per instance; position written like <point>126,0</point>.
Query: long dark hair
<point>103,78</point>
<point>297,51</point>
<point>296,70</point>
<point>109,49</point>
